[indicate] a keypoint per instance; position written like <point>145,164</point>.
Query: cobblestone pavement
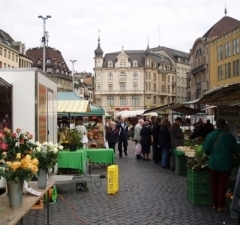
<point>147,194</point>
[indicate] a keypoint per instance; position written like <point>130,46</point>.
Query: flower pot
<point>15,192</point>
<point>42,178</point>
<point>73,147</point>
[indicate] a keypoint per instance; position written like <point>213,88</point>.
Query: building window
<point>98,87</point>
<point>110,101</point>
<point>181,70</point>
<point>122,87</point>
<point>168,89</point>
<point>13,56</point>
<point>135,63</point>
<point>164,77</point>
<point>57,70</point>
<point>110,64</point>
<point>122,101</point>
<point>154,87</point>
<point>110,87</point>
<point>135,76</point>
<point>123,76</point>
<point>154,100</point>
<point>0,51</point>
<point>178,69</point>
<point>178,89</point>
<point>163,88</point>
<point>110,76</point>
<point>135,101</point>
<point>220,52</point>
<point>16,58</point>
<point>9,55</point>
<point>5,53</point>
<point>154,77</point>
<point>48,61</point>
<point>39,61</point>
<point>162,100</point>
<point>235,46</point>
<point>122,64</point>
<point>236,68</point>
<point>135,86</point>
<point>220,72</point>
<point>49,70</point>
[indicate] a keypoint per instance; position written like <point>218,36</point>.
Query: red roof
<point>223,26</point>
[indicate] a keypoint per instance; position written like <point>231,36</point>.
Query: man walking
<point>122,137</point>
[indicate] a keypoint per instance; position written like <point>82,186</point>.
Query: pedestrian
<point>83,132</point>
<point>177,139</point>
<point>165,142</point>
<point>157,150</point>
<point>112,135</point>
<point>122,137</point>
<point>146,134</point>
<point>137,136</point>
<point>220,145</point>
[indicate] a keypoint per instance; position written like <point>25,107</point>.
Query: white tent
<point>134,113</point>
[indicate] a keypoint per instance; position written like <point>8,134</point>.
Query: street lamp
<point>73,61</point>
<point>44,40</point>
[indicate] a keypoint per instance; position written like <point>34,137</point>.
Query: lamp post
<point>44,40</point>
<point>73,61</point>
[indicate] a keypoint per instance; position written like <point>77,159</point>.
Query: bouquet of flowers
<point>16,161</point>
<point>46,153</point>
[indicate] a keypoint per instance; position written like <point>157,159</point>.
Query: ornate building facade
<point>134,79</point>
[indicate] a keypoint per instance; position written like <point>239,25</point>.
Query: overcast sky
<point>73,28</point>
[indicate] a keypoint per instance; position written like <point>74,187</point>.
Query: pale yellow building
<point>224,54</point>
<point>12,54</point>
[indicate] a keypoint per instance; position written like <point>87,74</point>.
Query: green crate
<point>200,199</point>
<point>198,188</point>
<point>178,152</point>
<point>180,164</point>
<point>198,176</point>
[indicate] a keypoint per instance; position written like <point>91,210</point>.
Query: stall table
<point>73,160</point>
<point>78,159</point>
<point>10,216</point>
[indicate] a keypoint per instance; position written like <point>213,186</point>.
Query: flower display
<point>46,153</point>
<point>16,160</point>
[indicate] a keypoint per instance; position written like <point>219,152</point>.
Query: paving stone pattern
<point>147,195</point>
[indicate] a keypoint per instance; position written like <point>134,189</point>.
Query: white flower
<point>60,147</point>
<point>38,149</point>
<point>38,144</point>
<point>56,145</point>
<point>55,150</point>
<point>45,143</point>
<point>51,145</point>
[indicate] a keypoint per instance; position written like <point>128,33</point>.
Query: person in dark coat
<point>146,133</point>
<point>165,142</point>
<point>177,138</point>
<point>112,135</point>
<point>157,150</point>
<point>122,137</point>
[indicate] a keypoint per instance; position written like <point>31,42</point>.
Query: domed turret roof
<point>147,51</point>
<point>98,51</point>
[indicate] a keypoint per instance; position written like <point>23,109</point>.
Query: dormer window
<point>135,63</point>
<point>48,61</point>
<point>110,64</point>
<point>39,61</point>
<point>56,62</point>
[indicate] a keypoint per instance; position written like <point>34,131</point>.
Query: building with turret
<point>135,79</point>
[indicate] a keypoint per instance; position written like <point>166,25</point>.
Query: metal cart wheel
<point>81,186</point>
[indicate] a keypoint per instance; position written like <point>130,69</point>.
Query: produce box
<point>198,176</point>
<point>199,199</point>
<point>178,152</point>
<point>180,164</point>
<point>198,188</point>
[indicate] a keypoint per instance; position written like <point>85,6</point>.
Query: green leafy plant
<point>73,136</point>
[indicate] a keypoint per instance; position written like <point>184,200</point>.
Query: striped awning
<point>73,106</point>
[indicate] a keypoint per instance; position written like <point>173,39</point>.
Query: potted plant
<point>16,162</point>
<point>73,137</point>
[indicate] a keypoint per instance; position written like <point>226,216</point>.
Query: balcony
<point>122,80</point>
<point>198,69</point>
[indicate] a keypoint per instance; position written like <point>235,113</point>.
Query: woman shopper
<point>112,135</point>
<point>165,142</point>
<point>220,145</point>
<point>146,133</point>
<point>157,150</point>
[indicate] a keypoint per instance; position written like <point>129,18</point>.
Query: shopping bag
<point>138,149</point>
<point>106,144</point>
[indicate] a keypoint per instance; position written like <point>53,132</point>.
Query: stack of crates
<point>113,184</point>
<point>180,163</point>
<point>198,187</point>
